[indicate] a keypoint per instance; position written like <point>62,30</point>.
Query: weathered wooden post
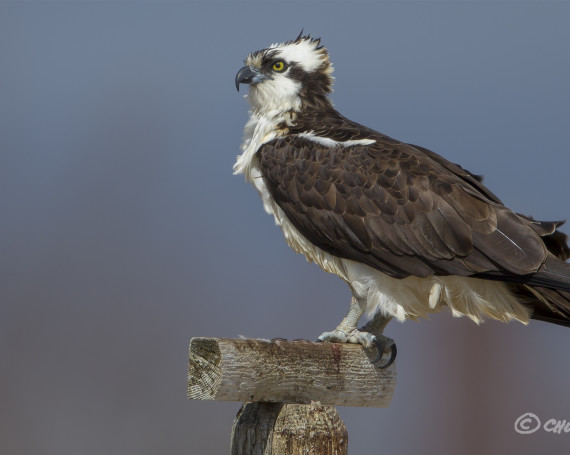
<point>289,390</point>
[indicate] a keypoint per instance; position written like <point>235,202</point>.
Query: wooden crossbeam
<point>284,371</point>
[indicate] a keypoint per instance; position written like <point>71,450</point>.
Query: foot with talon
<point>369,336</point>
<point>368,340</point>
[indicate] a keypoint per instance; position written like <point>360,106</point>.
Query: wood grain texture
<point>300,372</point>
<point>288,429</point>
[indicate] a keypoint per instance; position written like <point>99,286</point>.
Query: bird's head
<point>288,76</point>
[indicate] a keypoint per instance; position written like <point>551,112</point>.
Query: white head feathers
<point>305,76</point>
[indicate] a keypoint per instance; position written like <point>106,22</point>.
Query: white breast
<point>257,132</point>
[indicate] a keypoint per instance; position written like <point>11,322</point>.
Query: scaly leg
<point>377,324</point>
<point>370,335</point>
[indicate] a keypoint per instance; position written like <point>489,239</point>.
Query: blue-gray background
<point>123,232</point>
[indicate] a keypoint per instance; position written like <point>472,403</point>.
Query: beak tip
<point>245,76</point>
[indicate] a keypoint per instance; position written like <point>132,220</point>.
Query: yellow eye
<point>279,65</point>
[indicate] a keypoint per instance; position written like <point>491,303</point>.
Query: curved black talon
<point>380,347</point>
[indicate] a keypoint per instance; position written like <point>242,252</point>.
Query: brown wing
<point>476,181</point>
<point>395,208</point>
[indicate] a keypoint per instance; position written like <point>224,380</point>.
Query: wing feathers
<point>404,210</point>
<point>513,245</point>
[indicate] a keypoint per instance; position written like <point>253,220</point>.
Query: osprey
<point>407,230</point>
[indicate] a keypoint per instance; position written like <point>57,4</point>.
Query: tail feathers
<point>548,291</point>
<point>554,274</point>
<point>549,305</point>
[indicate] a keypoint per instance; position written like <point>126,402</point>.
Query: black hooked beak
<point>246,75</point>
